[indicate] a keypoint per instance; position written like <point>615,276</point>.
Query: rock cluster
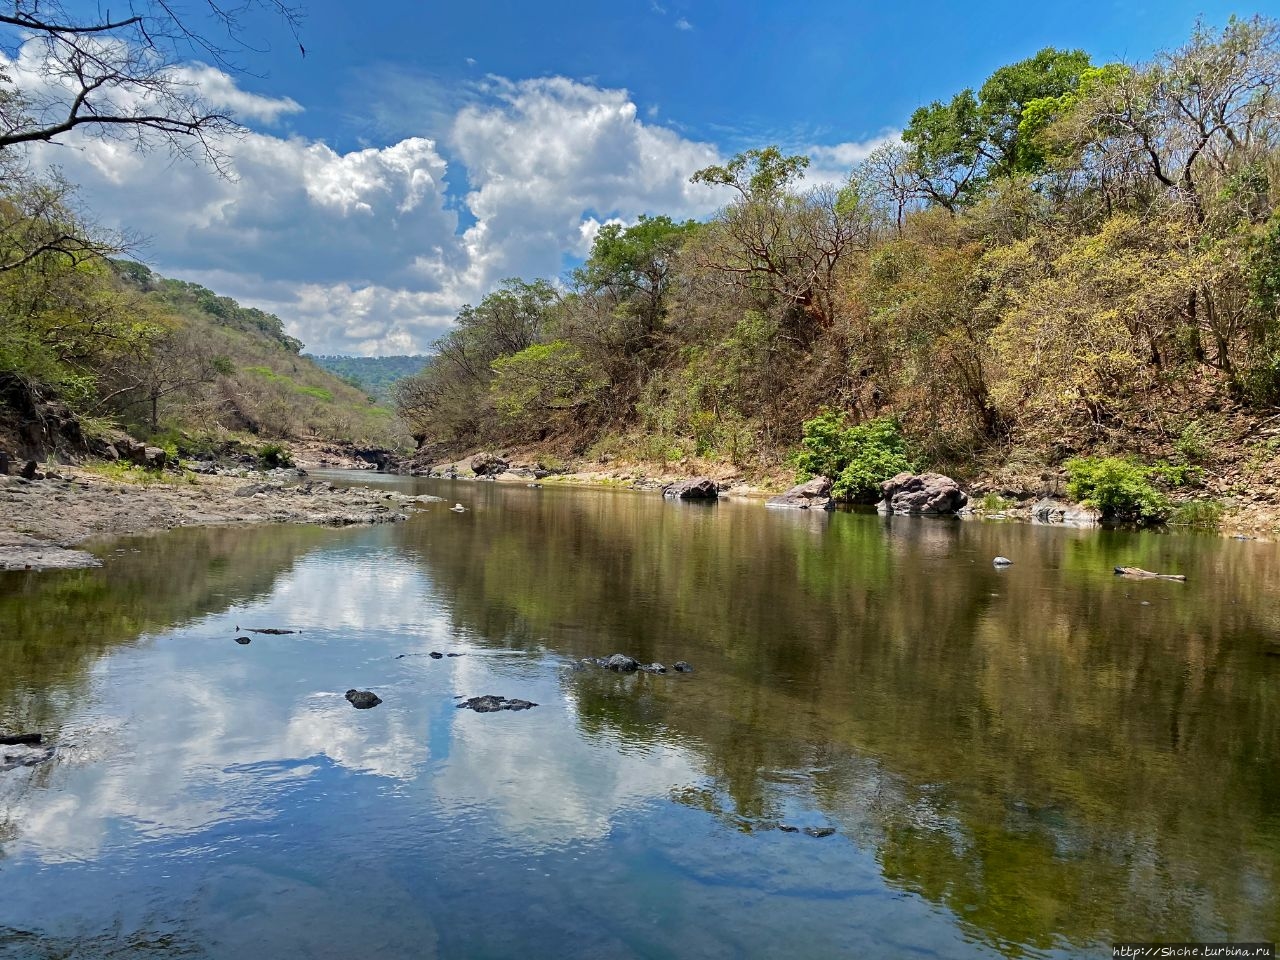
<point>814,494</point>
<point>491,704</point>
<point>921,493</point>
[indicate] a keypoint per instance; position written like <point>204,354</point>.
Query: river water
<point>1022,762</point>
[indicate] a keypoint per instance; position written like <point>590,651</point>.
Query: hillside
<point>374,375</point>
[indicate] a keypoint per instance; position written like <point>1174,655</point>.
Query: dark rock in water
<point>243,641</point>
<point>436,655</point>
<point>363,699</point>
<point>455,654</point>
<point>24,739</point>
<point>819,831</point>
<point>681,667</point>
<point>815,494</point>
<point>652,668</point>
<point>491,704</point>
<point>699,488</point>
<point>621,663</point>
<point>488,465</point>
<point>273,631</point>
<point>29,471</point>
<point>921,493</point>
<point>786,828</point>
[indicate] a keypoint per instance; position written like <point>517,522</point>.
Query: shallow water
<point>1033,761</point>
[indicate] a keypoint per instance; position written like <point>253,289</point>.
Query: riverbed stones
<point>814,494</point>
<point>363,699</point>
<point>436,655</point>
<point>492,704</point>
<point>652,668</point>
<point>488,465</point>
<point>819,831</point>
<point>621,663</point>
<point>681,667</point>
<point>921,493</point>
<point>698,488</point>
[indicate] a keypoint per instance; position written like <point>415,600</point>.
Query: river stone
<point>813,494</point>
<point>29,471</point>
<point>819,831</point>
<point>682,667</point>
<point>699,488</point>
<point>921,493</point>
<point>491,704</point>
<point>652,668</point>
<point>1002,562</point>
<point>488,464</point>
<point>436,655</point>
<point>363,699</point>
<point>621,663</point>
<point>1049,510</point>
<point>244,641</point>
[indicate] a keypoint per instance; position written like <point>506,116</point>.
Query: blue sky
<point>422,151</point>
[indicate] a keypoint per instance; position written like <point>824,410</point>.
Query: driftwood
<point>1147,574</point>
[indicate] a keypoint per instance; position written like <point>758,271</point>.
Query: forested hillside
<point>375,375</point>
<point>106,343</point>
<point>1072,258</point>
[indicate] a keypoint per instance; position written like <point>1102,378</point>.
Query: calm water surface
<point>1018,763</point>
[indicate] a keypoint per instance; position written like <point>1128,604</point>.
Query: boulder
<point>29,471</point>
<point>814,494</point>
<point>621,663</point>
<point>4,464</point>
<point>915,493</point>
<point>699,488</point>
<point>1048,510</point>
<point>363,699</point>
<point>488,465</point>
<point>1002,562</point>
<point>154,458</point>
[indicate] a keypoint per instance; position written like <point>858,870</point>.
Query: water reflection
<point>1023,761</point>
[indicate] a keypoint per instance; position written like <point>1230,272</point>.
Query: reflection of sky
<point>189,731</point>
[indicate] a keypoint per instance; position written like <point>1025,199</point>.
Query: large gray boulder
<point>699,488</point>
<point>488,465</point>
<point>1048,510</point>
<point>916,493</point>
<point>815,494</point>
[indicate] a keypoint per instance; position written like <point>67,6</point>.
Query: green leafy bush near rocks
<point>857,457</point>
<point>1118,487</point>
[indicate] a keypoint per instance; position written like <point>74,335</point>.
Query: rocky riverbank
<point>43,521</point>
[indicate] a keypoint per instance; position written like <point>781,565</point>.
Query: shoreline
<point>44,523</point>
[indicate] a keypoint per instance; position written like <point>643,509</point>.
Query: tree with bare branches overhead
<point>125,76</point>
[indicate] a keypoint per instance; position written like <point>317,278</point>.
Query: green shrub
<point>1194,444</point>
<point>857,458</point>
<point>1198,513</point>
<point>271,455</point>
<point>1121,489</point>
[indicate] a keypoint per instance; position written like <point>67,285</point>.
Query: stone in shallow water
<point>363,699</point>
<point>243,641</point>
<point>491,704</point>
<point>682,667</point>
<point>653,668</point>
<point>1002,562</point>
<point>621,663</point>
<point>819,831</point>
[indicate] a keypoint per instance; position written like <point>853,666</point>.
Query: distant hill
<point>247,374</point>
<point>375,375</point>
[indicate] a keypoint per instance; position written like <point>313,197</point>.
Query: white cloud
<point>363,251</point>
<point>683,24</point>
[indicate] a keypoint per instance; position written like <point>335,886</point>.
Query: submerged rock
<point>681,667</point>
<point>24,756</point>
<point>272,631</point>
<point>921,493</point>
<point>244,641</point>
<point>1048,510</point>
<point>814,494</point>
<point>699,488</point>
<point>819,831</point>
<point>1147,574</point>
<point>621,663</point>
<point>436,655</point>
<point>21,739</point>
<point>652,668</point>
<point>491,704</point>
<point>363,699</point>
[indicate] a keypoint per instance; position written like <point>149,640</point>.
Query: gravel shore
<point>43,521</point>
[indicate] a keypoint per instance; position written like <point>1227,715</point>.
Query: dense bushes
<point>857,458</point>
<point>1120,488</point>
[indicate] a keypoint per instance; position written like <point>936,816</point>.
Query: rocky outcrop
<point>1049,510</point>
<point>815,494</point>
<point>141,455</point>
<point>699,488</point>
<point>488,465</point>
<point>921,493</point>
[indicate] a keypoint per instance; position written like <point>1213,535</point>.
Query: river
<point>1033,761</point>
